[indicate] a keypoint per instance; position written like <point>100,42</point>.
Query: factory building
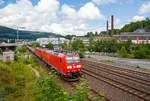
<point>140,36</point>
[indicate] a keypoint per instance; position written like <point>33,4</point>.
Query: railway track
<point>116,77</point>
<point>128,70</point>
<point>116,73</point>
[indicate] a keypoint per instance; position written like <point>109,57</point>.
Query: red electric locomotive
<point>67,64</point>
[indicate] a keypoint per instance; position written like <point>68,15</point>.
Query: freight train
<point>67,64</point>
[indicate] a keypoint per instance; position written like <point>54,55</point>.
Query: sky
<point>74,17</point>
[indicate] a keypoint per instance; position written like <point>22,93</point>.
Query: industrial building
<point>140,34</point>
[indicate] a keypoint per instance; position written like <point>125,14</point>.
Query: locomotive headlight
<point>78,66</point>
<point>69,67</point>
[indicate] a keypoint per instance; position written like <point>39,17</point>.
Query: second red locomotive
<point>66,64</point>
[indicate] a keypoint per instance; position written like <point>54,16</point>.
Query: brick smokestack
<point>112,25</point>
<point>107,27</point>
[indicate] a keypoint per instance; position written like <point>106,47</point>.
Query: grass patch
<point>107,61</point>
<point>143,68</point>
<point>138,67</point>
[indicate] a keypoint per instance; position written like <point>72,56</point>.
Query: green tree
<point>69,37</point>
<point>107,45</point>
<point>64,46</point>
<point>81,55</point>
<point>96,33</point>
<point>22,49</point>
<point>35,44</point>
<point>142,52</point>
<point>136,25</point>
<point>77,44</point>
<point>123,52</point>
<point>88,34</point>
<point>91,42</point>
<point>117,31</point>
<point>0,51</point>
<point>128,44</point>
<point>49,45</point>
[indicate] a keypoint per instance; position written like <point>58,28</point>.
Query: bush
<point>0,51</point>
<point>22,49</point>
<point>123,52</point>
<point>10,89</point>
<point>3,93</point>
<point>48,90</point>
<point>141,53</point>
<point>8,62</point>
<point>89,56</point>
<point>16,57</point>
<point>81,92</point>
<point>49,45</point>
<point>81,55</point>
<point>35,44</point>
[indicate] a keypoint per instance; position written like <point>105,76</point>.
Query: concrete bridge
<point>8,46</point>
<point>8,51</point>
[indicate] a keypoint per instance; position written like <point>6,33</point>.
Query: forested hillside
<point>136,25</point>
<point>6,32</point>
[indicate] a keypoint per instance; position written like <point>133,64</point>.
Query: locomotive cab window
<point>69,60</point>
<point>72,60</point>
<point>76,59</point>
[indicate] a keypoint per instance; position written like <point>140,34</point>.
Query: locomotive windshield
<point>76,59</point>
<point>72,60</point>
<point>69,60</point>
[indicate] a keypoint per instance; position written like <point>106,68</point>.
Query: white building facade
<point>53,40</point>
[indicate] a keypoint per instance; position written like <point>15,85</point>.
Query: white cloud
<point>117,23</point>
<point>68,11</point>
<point>100,2</point>
<point>23,13</point>
<point>44,17</point>
<point>1,2</point>
<point>145,8</point>
<point>53,28</point>
<point>138,18</point>
<point>90,11</point>
<point>74,21</point>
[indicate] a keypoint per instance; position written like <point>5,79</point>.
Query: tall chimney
<point>107,27</point>
<point>112,25</point>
